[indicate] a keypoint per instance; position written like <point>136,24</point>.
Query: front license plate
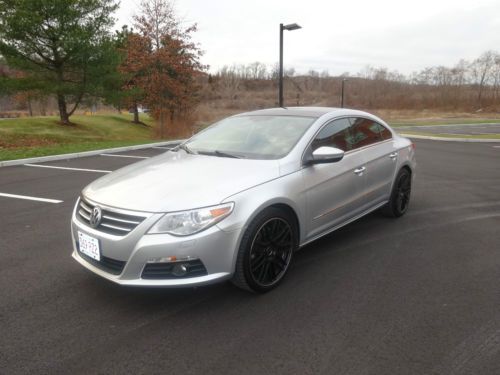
<point>89,246</point>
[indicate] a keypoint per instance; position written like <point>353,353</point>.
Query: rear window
<point>364,132</point>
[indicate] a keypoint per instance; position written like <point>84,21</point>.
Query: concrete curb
<point>75,155</point>
<point>446,139</point>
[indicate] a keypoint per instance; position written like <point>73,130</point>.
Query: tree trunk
<point>63,111</point>
<point>43,106</point>
<point>136,113</point>
<point>30,108</point>
<point>162,122</point>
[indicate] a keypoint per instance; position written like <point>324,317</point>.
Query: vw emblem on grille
<point>95,217</point>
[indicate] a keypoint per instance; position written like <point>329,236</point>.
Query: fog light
<point>179,270</point>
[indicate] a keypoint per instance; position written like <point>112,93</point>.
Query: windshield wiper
<point>220,154</point>
<point>226,154</point>
<point>184,147</point>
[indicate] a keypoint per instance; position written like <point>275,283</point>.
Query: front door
<point>333,190</point>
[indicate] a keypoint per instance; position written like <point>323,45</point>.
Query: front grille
<point>106,264</point>
<point>117,224</point>
<point>161,271</point>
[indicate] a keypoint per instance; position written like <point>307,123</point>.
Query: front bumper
<point>215,248</point>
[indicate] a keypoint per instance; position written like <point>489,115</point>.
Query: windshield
<point>252,137</point>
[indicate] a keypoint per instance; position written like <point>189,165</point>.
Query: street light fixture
<point>342,96</point>
<point>289,27</point>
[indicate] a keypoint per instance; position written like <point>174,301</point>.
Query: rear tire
<point>266,251</point>
<point>400,195</point>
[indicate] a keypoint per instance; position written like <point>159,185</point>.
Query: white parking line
<point>67,168</point>
<point>496,146</point>
<point>126,156</point>
<point>27,197</point>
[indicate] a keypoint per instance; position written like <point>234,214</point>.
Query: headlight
<point>184,223</point>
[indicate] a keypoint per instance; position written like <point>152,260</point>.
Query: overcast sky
<point>340,36</point>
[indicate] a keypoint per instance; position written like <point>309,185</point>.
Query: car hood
<point>177,181</point>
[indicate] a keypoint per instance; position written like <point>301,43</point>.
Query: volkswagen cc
<point>237,199</point>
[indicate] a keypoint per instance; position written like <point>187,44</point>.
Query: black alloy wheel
<point>271,251</point>
<point>266,251</point>
<point>400,196</point>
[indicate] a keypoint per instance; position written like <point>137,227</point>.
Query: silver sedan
<point>236,200</point>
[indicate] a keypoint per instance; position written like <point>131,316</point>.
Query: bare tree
<point>155,19</point>
<point>229,81</point>
<point>496,78</point>
<point>481,70</point>
<point>257,70</point>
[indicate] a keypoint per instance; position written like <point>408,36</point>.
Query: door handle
<point>394,155</point>
<point>359,171</point>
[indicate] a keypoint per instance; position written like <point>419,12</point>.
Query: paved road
<point>416,295</point>
<point>463,129</point>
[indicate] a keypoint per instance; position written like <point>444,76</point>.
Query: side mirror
<point>326,155</point>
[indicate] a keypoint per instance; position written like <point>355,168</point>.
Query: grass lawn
<point>41,136</point>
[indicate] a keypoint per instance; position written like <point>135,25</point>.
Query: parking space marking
<point>496,146</point>
<point>126,156</point>
<point>67,168</point>
<point>27,197</point>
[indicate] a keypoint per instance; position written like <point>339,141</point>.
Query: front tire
<point>400,195</point>
<point>266,251</point>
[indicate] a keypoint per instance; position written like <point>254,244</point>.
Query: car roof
<point>292,111</point>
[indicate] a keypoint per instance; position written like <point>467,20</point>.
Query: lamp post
<point>289,27</point>
<point>342,97</point>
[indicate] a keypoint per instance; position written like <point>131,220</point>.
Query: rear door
<point>376,143</point>
<point>333,190</point>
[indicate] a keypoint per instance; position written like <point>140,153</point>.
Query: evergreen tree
<point>63,47</point>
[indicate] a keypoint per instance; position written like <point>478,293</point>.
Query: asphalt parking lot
<point>416,295</point>
<point>456,129</point>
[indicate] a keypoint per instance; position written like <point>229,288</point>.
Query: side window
<point>364,132</point>
<point>335,134</point>
<point>386,133</point>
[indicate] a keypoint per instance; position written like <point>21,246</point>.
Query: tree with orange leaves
<point>163,62</point>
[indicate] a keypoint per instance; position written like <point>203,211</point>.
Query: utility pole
<point>342,96</point>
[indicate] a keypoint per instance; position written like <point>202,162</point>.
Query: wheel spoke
<point>270,272</point>
<point>278,237</point>
<point>275,270</point>
<point>264,236</point>
<point>258,262</point>
<point>261,243</point>
<point>286,241</point>
<point>274,227</point>
<point>263,271</point>
<point>280,263</point>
